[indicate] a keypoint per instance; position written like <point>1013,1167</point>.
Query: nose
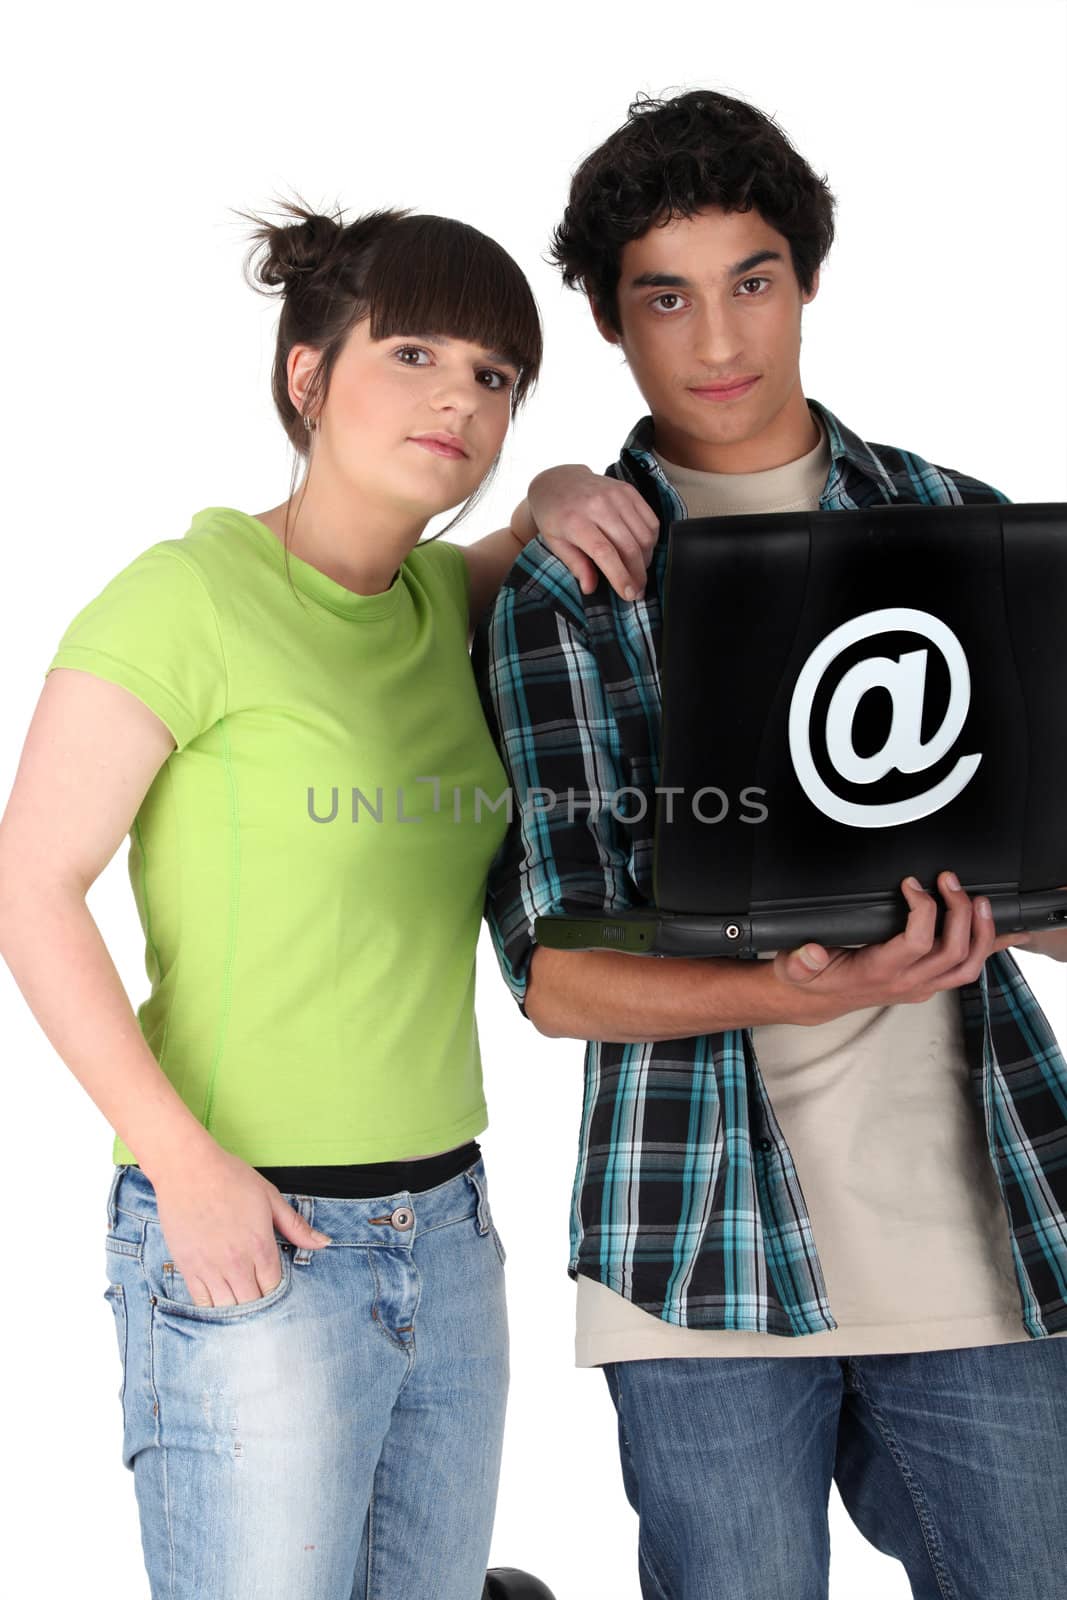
<point>457,391</point>
<point>716,340</point>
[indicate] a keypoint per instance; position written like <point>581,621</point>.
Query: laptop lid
<point>852,696</point>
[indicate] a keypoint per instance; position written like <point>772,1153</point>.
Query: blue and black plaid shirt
<point>686,1199</point>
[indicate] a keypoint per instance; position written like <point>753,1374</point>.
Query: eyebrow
<point>490,355</point>
<point>672,280</point>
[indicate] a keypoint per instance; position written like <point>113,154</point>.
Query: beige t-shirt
<point>888,1141</point>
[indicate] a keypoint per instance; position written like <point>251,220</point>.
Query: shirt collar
<point>845,447</point>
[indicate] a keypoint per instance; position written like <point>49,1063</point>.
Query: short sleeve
<point>154,630</point>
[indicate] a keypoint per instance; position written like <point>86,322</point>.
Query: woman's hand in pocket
<point>218,1218</point>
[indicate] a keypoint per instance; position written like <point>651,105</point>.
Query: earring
<point>308,423</point>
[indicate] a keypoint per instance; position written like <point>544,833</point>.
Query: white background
<point>137,392</point>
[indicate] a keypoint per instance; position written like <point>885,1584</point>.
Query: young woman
<point>306,1280</point>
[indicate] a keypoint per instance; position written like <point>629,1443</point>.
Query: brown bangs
<point>435,277</point>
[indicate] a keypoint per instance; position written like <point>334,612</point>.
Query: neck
<point>356,539</point>
<point>791,434</point>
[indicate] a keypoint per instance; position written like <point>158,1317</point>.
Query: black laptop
<point>850,697</point>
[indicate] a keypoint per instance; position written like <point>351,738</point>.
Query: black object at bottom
<point>508,1583</point>
<point>369,1180</point>
<point>664,933</point>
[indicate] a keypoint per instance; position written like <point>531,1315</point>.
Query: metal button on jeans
<point>402,1218</point>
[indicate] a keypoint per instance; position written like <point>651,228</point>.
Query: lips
<point>731,391</point>
<point>441,444</point>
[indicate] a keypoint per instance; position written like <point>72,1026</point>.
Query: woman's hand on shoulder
<point>592,522</point>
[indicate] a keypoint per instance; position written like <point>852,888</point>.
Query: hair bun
<point>292,252</point>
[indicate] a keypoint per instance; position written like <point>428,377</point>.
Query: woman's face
<point>384,392</point>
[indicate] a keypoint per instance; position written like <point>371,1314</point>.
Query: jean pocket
<point>126,1236</point>
<point>170,1294</point>
<point>501,1252</point>
<point>117,1296</point>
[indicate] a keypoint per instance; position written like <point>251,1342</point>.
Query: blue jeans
<point>954,1461</point>
<point>338,1438</point>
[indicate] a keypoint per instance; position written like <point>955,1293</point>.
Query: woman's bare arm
<point>90,756</point>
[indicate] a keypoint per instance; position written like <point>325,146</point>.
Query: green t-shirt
<point>309,863</point>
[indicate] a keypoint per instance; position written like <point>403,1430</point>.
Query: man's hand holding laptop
<point>913,966</point>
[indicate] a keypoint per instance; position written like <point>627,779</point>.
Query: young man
<point>856,1156</point>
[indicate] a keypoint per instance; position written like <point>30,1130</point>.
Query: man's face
<point>707,301</point>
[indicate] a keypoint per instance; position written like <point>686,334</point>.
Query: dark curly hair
<point>671,158</point>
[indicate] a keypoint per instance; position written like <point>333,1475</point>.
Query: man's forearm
<point>605,994</point>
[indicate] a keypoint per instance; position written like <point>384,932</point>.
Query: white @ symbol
<point>904,750</point>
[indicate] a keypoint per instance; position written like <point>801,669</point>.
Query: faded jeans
<point>338,1438</point>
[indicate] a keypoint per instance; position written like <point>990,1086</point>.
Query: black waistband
<point>370,1179</point>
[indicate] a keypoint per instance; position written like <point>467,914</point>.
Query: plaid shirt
<point>686,1199</point>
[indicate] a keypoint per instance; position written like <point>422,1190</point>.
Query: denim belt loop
<point>112,1207</point>
<point>305,1204</point>
<point>483,1203</point>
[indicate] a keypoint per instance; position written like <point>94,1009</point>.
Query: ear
<point>604,328</point>
<point>813,291</point>
<point>301,363</point>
